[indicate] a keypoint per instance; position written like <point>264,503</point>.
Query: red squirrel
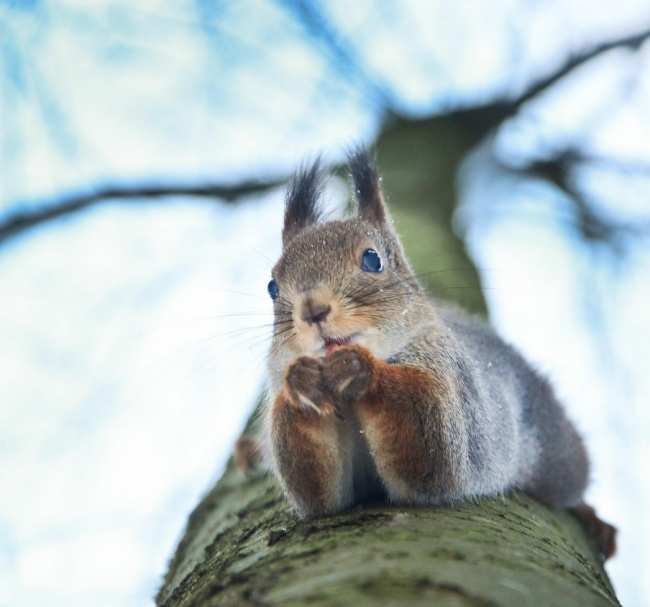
<point>379,391</point>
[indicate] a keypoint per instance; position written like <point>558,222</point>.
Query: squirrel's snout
<point>313,312</point>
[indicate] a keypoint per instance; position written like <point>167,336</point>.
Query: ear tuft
<point>301,207</point>
<point>366,186</point>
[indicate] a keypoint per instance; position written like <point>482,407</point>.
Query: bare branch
<point>560,171</point>
<point>486,118</point>
<point>475,121</point>
<point>340,50</point>
<point>632,42</point>
<point>626,166</point>
<point>21,221</point>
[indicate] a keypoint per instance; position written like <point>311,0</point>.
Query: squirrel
<point>378,391</point>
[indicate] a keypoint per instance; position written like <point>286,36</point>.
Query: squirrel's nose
<point>313,313</point>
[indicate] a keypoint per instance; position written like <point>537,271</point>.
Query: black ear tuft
<point>301,207</point>
<point>367,187</point>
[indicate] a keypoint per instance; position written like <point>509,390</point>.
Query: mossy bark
<point>242,546</point>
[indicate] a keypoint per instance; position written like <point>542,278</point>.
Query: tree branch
<point>560,170</point>
<point>477,122</point>
<point>632,42</point>
<point>242,547</point>
<point>20,221</point>
<point>340,50</point>
<point>486,118</point>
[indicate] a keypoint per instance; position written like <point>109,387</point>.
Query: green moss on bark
<point>243,547</point>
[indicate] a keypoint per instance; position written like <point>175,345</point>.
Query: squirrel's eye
<point>273,289</point>
<point>371,262</point>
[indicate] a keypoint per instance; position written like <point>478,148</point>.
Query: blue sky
<point>124,384</point>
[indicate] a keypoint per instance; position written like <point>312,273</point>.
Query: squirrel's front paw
<point>305,388</point>
<point>348,373</point>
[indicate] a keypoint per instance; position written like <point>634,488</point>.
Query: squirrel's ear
<point>367,187</point>
<point>301,207</point>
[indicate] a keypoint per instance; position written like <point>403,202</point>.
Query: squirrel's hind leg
<point>310,444</point>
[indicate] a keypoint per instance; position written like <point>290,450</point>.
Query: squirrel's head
<point>340,282</point>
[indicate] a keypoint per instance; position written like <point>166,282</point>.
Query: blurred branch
<point>632,42</point>
<point>560,170</point>
<point>476,122</point>
<point>20,221</point>
<point>627,166</point>
<point>340,50</point>
<point>486,118</point>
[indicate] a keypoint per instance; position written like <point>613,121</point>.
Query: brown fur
<point>400,409</point>
<point>602,534</point>
<point>307,439</point>
<point>247,454</point>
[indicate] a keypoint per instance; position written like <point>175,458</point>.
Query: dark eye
<point>371,262</point>
<point>273,289</point>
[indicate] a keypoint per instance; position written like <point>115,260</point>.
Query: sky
<point>125,327</point>
<point>128,389</point>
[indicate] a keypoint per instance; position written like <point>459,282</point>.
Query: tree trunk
<point>418,161</point>
<point>243,547</point>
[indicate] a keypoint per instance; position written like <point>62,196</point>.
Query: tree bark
<point>242,547</point>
